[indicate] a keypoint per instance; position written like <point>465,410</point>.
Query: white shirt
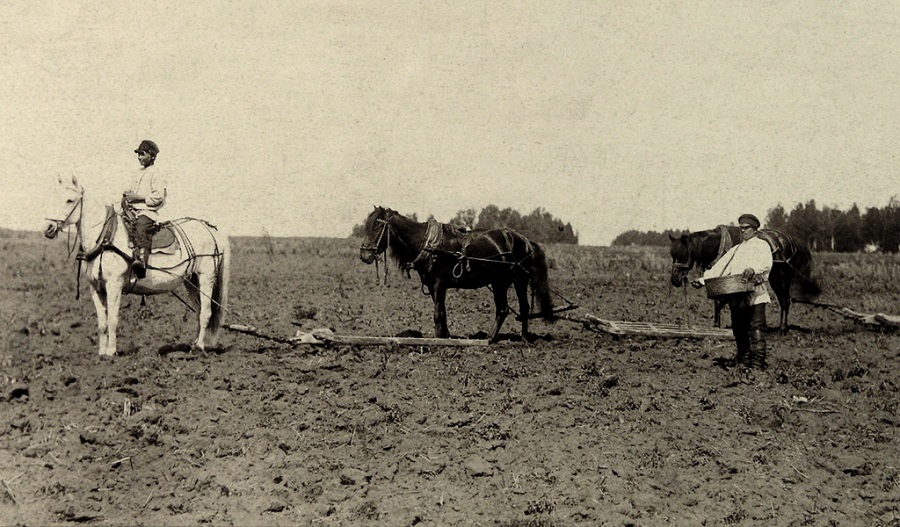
<point>755,254</point>
<point>149,184</point>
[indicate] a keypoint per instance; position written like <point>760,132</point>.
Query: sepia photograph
<point>508,264</point>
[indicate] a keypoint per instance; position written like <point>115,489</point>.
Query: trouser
<point>748,324</point>
<point>143,238</point>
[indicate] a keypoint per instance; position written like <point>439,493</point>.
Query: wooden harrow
<point>649,329</point>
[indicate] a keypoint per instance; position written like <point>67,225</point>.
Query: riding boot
<point>758,354</point>
<point>742,357</point>
<point>139,266</point>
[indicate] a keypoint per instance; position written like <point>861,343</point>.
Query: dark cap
<point>147,146</point>
<point>748,219</point>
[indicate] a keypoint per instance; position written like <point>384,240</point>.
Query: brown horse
<point>448,258</point>
<point>789,260</point>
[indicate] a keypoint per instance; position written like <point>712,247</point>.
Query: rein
<point>374,249</point>
<point>59,225</point>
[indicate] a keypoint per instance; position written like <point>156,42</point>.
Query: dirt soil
<point>575,428</point>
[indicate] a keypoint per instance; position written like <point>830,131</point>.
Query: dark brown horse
<point>448,258</point>
<point>789,260</point>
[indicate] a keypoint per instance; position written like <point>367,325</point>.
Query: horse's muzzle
<point>51,230</point>
<point>678,278</point>
<point>366,255</point>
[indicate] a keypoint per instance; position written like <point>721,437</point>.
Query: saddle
<point>162,234</point>
<point>163,239</point>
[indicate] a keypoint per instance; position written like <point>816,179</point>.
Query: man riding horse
<point>141,201</point>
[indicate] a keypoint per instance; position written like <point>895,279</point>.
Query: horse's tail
<point>807,288</point>
<point>540,282</point>
<point>220,289</point>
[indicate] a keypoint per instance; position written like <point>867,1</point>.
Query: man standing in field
<point>146,194</point>
<point>752,260</point>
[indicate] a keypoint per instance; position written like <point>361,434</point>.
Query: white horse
<point>195,254</point>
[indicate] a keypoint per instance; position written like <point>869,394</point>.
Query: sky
<point>295,118</point>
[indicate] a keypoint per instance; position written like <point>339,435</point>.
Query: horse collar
<point>433,236</point>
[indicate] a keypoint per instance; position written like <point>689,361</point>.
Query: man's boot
<point>742,357</point>
<point>758,358</point>
<point>139,266</point>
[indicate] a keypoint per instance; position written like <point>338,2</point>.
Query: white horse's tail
<point>220,290</point>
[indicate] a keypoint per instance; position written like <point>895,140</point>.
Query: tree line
<point>539,226</point>
<point>827,229</point>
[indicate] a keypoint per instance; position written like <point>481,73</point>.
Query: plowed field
<point>575,428</point>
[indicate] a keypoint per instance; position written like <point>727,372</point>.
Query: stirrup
<point>139,268</point>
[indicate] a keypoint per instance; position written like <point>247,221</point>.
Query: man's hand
<point>748,274</point>
<point>696,284</point>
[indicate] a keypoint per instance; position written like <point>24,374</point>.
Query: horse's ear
<point>672,238</point>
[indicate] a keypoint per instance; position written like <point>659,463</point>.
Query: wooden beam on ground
<point>324,337</point>
<point>888,320</point>
<point>650,329</point>
<point>555,311</point>
<point>250,330</point>
<point>869,319</point>
<point>400,341</point>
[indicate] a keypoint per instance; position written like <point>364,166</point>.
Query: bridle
<point>78,205</point>
<point>682,268</point>
<point>385,233</point>
<point>59,225</point>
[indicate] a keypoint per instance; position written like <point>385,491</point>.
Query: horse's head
<point>376,231</point>
<point>682,261</point>
<point>70,208</point>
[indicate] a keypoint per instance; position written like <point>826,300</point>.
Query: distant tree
<point>648,239</point>
<point>539,226</point>
<point>881,226</point>
<point>828,229</point>
<point>803,224</point>
<point>465,218</point>
<point>777,218</point>
<point>848,233</point>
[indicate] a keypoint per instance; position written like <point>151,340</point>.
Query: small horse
<point>446,257</point>
<point>789,260</point>
<point>192,253</point>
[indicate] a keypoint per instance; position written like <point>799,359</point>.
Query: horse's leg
<point>441,330</point>
<point>100,304</point>
<point>524,310</point>
<point>501,309</point>
<point>784,303</point>
<point>113,303</point>
<point>205,286</point>
<point>780,281</point>
<point>717,315</point>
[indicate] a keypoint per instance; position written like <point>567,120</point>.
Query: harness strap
<point>434,238</point>
<point>104,240</point>
<point>774,246</point>
<point>725,244</point>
